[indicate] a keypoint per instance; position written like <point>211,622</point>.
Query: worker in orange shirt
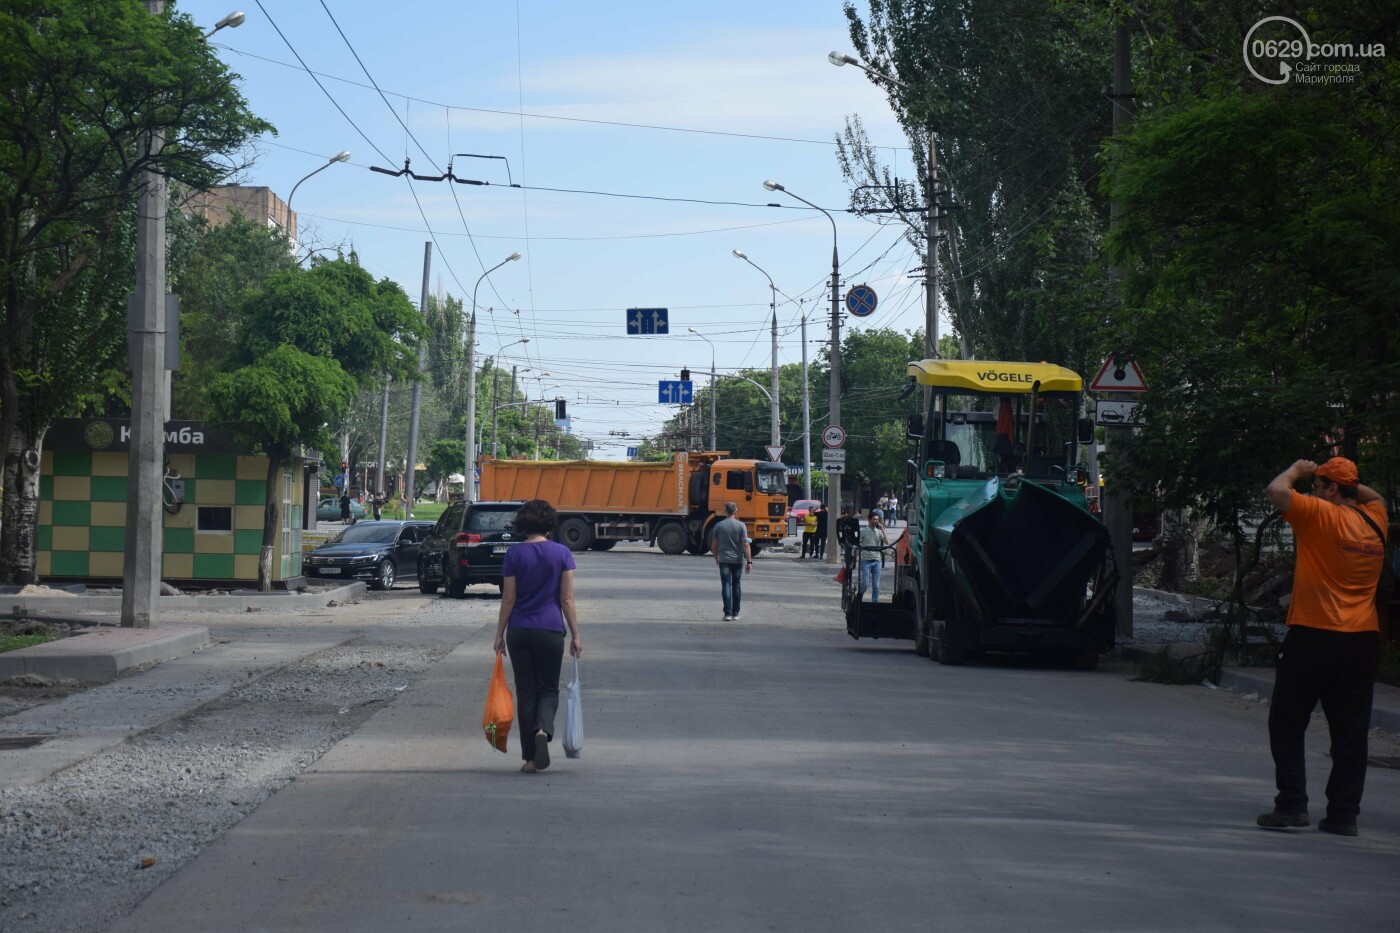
<point>1332,649</point>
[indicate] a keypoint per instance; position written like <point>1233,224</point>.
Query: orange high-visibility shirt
<point>1339,563</point>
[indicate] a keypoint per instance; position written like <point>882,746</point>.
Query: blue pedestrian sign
<point>631,453</point>
<point>647,321</point>
<point>674,392</point>
<point>861,301</point>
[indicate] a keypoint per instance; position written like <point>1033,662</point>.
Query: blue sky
<point>700,102</point>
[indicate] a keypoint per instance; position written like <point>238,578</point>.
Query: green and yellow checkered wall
<point>82,518</point>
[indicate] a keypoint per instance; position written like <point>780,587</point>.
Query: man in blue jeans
<point>730,543</point>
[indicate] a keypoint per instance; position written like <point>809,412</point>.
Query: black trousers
<point>1337,669</point>
<point>535,658</point>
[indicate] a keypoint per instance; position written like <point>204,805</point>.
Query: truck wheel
<point>602,545</point>
<point>756,549</point>
<point>942,653</point>
<point>575,534</point>
<point>672,538</point>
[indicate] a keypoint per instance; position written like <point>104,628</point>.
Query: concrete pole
<point>774,431</point>
<point>806,420</point>
<point>495,401</point>
<point>931,263</point>
<point>409,473</point>
<point>469,470</point>
<point>1117,505</point>
<point>833,500</point>
<point>145,462</point>
<point>383,438</point>
<point>714,389</point>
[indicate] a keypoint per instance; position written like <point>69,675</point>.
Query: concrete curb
<point>233,602</point>
<point>99,655</point>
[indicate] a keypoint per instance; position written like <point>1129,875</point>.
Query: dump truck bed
<point>589,485</point>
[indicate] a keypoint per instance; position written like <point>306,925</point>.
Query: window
<point>214,518</point>
<point>737,479</point>
<point>491,520</point>
<point>451,520</point>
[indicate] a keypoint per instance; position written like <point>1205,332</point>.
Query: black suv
<point>377,552</point>
<point>468,545</point>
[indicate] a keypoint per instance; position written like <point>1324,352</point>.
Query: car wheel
<point>425,586</point>
<point>385,581</point>
<point>456,587</point>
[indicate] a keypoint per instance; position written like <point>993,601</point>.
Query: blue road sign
<point>861,301</point>
<point>674,392</point>
<point>647,321</point>
<point>631,453</point>
<point>339,480</point>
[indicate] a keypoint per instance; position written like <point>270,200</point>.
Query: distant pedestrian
<point>847,529</point>
<point>819,539</point>
<point>809,534</point>
<point>892,509</point>
<point>873,541</point>
<point>537,604</point>
<point>377,503</point>
<point>1332,649</point>
<point>730,542</point>
<point>883,505</point>
<point>345,506</point>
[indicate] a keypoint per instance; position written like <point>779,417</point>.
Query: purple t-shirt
<point>537,567</point>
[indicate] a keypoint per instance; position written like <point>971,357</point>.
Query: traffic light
<point>685,375</point>
<point>559,413</point>
<point>344,466</point>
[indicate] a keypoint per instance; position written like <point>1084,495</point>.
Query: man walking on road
<point>1332,649</point>
<point>730,543</point>
<point>819,536</point>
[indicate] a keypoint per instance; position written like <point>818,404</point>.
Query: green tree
<point>85,84</point>
<point>309,340</point>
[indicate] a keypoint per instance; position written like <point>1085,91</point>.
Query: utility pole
<point>806,420</point>
<point>409,474</point>
<point>469,476</point>
<point>495,400</point>
<point>931,261</point>
<point>145,462</point>
<point>383,438</point>
<point>774,430</point>
<point>833,480</point>
<point>1117,506</point>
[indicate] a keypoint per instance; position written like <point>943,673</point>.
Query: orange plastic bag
<point>500,708</point>
<point>840,576</point>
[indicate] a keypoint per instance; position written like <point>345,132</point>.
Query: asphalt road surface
<point>773,774</point>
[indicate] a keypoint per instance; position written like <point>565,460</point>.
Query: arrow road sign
<point>648,321</point>
<point>674,392</point>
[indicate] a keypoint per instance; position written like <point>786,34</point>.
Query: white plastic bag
<point>573,717</point>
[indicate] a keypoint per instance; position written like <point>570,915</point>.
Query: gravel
<point>116,825</point>
<point>1163,619</point>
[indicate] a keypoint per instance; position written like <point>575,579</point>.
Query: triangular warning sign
<point>775,452</point>
<point>1115,378</point>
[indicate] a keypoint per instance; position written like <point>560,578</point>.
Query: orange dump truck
<point>672,505</point>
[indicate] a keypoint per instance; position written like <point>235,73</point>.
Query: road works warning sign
<point>1115,378</point>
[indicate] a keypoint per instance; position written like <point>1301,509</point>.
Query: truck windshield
<point>772,480</point>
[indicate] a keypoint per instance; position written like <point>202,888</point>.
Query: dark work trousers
<point>535,658</point>
<point>809,544</point>
<point>1337,669</point>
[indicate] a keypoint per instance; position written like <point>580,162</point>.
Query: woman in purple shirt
<point>537,602</point>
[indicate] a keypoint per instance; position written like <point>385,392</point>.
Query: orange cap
<point>1339,470</point>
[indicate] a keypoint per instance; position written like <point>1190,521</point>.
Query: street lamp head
<point>512,257</point>
<point>232,21</point>
<point>773,186</point>
<point>693,331</point>
<point>739,253</point>
<point>841,58</point>
<point>341,156</point>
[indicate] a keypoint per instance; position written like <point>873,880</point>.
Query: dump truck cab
<point>758,488</point>
<point>1003,553</point>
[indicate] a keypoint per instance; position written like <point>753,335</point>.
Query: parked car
<point>801,507</point>
<point>468,545</point>
<point>379,552</point>
<point>328,510</point>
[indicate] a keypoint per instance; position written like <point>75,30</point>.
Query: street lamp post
<point>714,425</point>
<point>930,220</point>
<point>469,467</point>
<point>833,480</point>
<point>145,461</point>
<point>341,156</point>
<point>774,432</point>
<point>495,380</point>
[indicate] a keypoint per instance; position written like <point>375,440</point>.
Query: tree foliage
<point>86,84</point>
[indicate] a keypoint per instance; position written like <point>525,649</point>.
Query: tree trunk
<point>1180,563</point>
<point>272,514</point>
<point>18,533</point>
